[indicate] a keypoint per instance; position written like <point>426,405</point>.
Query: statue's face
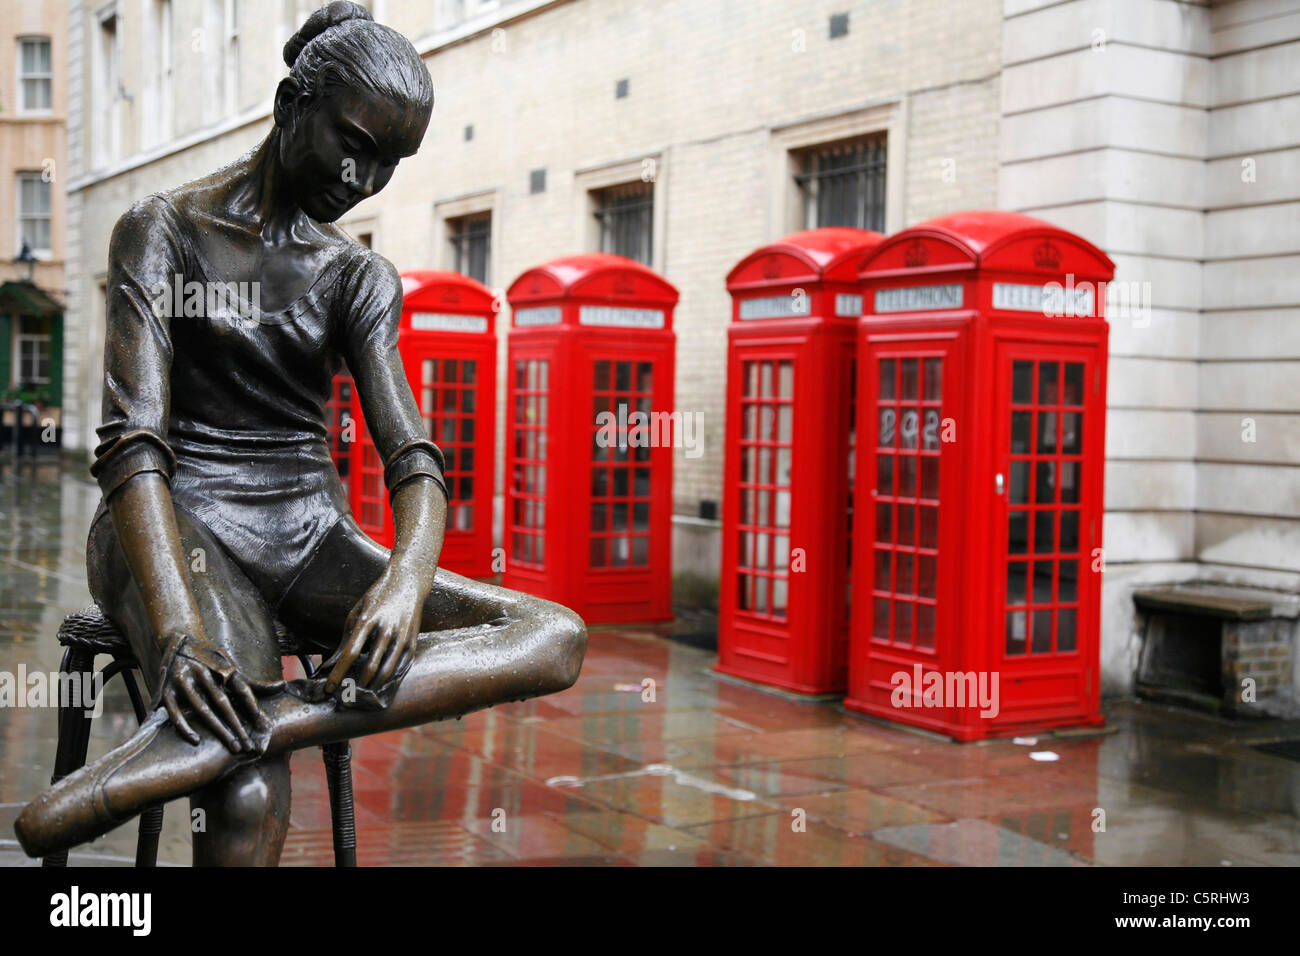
<point>344,146</point>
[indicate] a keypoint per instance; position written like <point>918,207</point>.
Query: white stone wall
<point>1128,121</point>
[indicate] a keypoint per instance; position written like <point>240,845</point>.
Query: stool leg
<point>338,774</point>
<point>74,730</point>
<point>151,821</point>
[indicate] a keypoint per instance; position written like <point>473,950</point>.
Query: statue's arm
<point>385,623</point>
<point>134,464</point>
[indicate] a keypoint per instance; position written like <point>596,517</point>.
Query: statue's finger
<point>397,652</point>
<point>377,655</point>
<point>247,699</point>
<point>200,707</point>
<point>178,719</point>
<point>225,709</point>
<point>349,656</point>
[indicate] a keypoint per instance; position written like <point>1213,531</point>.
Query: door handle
<point>999,482</point>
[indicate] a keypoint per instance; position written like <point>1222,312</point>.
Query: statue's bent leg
<point>245,816</point>
<point>480,645</point>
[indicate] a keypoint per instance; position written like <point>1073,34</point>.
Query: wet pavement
<point>707,772</point>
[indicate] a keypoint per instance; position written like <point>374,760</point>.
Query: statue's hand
<point>196,674</point>
<point>384,625</point>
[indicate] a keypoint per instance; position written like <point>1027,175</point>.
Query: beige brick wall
<point>712,87</point>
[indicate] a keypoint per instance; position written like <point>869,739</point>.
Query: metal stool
<point>87,634</point>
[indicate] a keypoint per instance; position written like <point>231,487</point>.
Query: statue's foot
<point>155,765</point>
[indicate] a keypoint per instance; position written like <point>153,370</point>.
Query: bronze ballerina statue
<point>213,448</point>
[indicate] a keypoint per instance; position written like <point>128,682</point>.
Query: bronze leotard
<point>231,404</point>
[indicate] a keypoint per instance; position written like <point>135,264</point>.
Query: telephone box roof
<point>832,253</point>
<point>593,275</point>
<point>986,239</point>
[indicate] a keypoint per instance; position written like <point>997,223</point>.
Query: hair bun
<point>330,15</point>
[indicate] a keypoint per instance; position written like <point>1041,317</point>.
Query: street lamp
<point>26,255</point>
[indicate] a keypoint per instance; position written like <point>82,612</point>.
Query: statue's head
<point>357,99</point>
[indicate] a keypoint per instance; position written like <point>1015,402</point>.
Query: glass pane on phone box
<point>906,476</point>
<point>1042,631</point>
<point>779,597</point>
<point>785,384</point>
<point>1019,482</point>
<point>1073,392</point>
<point>903,615</point>
<point>1043,574</point>
<point>933,379</point>
<point>1045,482</point>
<point>926,570</point>
<point>1022,382</point>
<point>1016,582</point>
<point>1066,636</point>
<point>598,553</point>
<point>907,525</point>
<point>1046,433</point>
<point>925,626</point>
<point>1072,433</point>
<point>1018,533</point>
<point>885,475</point>
<point>905,583</point>
<point>885,431</point>
<point>884,561</point>
<point>887,370</point>
<point>930,478</point>
<point>640,551</point>
<point>910,373</point>
<point>1016,632</point>
<point>880,619</point>
<point>1044,532</point>
<point>785,424</point>
<point>1020,426</point>
<point>1047,383</point>
<point>1068,582</point>
<point>884,522</point>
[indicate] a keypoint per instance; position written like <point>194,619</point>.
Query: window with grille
<point>528,479</point>
<point>35,74</point>
<point>620,474</point>
<point>843,184</point>
<point>471,242</point>
<point>625,214</point>
<point>34,212</point>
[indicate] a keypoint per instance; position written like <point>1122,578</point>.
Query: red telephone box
<point>589,434</point>
<point>448,348</point>
<point>981,436</point>
<point>788,479</point>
